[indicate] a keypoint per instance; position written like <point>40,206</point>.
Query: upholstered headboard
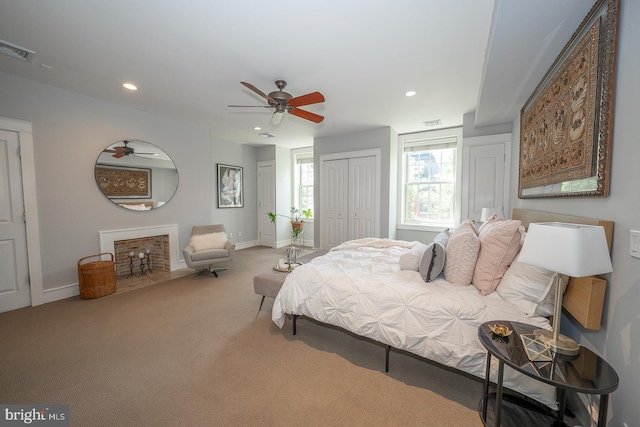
<point>584,297</point>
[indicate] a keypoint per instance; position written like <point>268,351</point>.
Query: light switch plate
<point>634,249</point>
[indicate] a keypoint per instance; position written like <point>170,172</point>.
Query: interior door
<point>14,286</point>
<point>334,202</point>
<point>266,203</point>
<point>362,197</point>
<point>485,176</point>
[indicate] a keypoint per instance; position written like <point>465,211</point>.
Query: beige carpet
<point>194,351</point>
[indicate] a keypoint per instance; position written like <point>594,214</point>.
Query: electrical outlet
<point>231,235</point>
<point>239,233</point>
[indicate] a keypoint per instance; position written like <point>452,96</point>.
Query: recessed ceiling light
<point>257,128</point>
<point>130,86</point>
<point>410,93</point>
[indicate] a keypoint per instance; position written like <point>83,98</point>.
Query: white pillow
<point>530,288</point>
<point>461,254</point>
<point>203,242</point>
<point>411,260</point>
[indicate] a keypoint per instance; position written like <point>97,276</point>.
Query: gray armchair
<point>206,259</point>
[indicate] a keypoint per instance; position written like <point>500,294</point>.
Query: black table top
<point>585,373</point>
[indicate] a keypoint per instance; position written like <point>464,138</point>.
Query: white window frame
<point>296,154</point>
<point>433,137</point>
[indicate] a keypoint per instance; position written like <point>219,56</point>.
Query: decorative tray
<point>500,330</point>
<point>288,268</point>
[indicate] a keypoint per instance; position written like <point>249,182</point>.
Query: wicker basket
<point>97,278</point>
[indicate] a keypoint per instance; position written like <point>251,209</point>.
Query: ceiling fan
<point>283,101</point>
<point>125,150</point>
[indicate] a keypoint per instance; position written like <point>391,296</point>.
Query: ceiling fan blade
<point>259,92</point>
<point>118,155</point>
<point>308,99</point>
<point>306,115</point>
<point>276,118</point>
<point>249,106</point>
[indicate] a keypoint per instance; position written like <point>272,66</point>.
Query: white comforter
<point>360,287</point>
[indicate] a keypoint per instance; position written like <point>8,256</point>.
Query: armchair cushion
<point>202,242</point>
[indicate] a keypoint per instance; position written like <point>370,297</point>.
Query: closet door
<point>486,172</point>
<point>362,197</point>
<point>334,202</point>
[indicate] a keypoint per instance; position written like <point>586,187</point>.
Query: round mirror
<point>136,175</point>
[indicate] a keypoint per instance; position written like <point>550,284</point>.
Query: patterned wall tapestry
<point>123,182</point>
<point>558,138</point>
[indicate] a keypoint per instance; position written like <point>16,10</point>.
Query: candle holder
<point>149,261</point>
<point>131,255</point>
<point>141,256</point>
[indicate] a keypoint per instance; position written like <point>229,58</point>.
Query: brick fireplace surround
<point>158,255</point>
<point>162,241</point>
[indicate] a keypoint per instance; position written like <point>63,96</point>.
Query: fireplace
<point>162,242</point>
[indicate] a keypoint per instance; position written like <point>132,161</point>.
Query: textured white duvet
<point>360,287</point>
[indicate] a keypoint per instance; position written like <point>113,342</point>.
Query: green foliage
<point>296,214</point>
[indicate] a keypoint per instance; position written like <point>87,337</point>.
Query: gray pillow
<point>432,261</point>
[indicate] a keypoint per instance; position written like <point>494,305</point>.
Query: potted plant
<point>297,223</point>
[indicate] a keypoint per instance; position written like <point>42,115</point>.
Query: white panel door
<point>486,178</point>
<point>14,287</point>
<point>334,199</point>
<point>266,203</point>
<point>362,197</point>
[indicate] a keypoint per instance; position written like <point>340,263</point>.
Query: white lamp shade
<point>489,212</point>
<point>573,249</point>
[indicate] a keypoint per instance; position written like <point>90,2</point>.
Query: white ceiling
<point>188,58</point>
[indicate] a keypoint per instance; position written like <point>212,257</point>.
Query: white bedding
<point>360,287</point>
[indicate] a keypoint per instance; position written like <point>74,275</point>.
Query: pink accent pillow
<point>499,245</point>
<point>462,254</point>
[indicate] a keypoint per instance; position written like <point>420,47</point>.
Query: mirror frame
<point>136,177</point>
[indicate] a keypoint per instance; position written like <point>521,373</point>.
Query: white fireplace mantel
<point>109,237</point>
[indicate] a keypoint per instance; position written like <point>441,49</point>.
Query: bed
<point>360,286</point>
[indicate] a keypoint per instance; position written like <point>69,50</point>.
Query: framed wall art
<point>124,182</point>
<point>230,190</point>
<point>566,125</point>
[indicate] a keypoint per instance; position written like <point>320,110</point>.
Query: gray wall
<point>70,131</point>
<point>618,340</point>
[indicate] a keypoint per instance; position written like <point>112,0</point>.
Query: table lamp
<point>575,250</point>
<point>489,212</point>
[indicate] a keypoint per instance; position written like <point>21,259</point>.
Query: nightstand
<point>585,373</point>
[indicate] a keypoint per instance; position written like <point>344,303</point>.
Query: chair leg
<point>261,302</point>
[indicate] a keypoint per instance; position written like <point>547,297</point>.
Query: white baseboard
<point>247,245</point>
<point>73,289</point>
<point>62,292</point>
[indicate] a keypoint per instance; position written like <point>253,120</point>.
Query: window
<point>303,179</point>
<point>430,178</point>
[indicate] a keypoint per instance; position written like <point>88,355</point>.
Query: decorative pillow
<point>410,260</point>
<point>530,288</point>
<point>432,261</point>
<point>203,242</point>
<point>462,254</point>
<point>499,245</point>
